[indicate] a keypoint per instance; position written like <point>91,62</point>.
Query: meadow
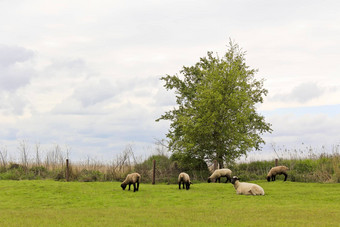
<point>57,203</point>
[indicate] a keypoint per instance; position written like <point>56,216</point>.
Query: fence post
<point>67,171</point>
<point>276,160</point>
<point>154,172</point>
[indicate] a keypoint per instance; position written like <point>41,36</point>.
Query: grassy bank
<point>52,203</point>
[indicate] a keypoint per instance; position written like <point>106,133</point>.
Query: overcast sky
<point>85,74</point>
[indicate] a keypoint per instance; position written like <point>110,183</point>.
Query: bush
<point>58,174</point>
<point>3,169</point>
<point>90,176</point>
<point>304,166</point>
<point>336,167</point>
<point>163,169</point>
<point>15,166</point>
<point>39,171</point>
<point>12,174</point>
<point>251,171</point>
<point>196,168</point>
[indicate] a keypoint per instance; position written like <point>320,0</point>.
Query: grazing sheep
<point>184,179</point>
<point>132,178</point>
<point>277,171</point>
<point>217,174</point>
<point>243,188</point>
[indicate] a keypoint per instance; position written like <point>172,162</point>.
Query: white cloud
<point>96,92</point>
<point>12,104</point>
<point>14,70</point>
<point>302,93</point>
<point>10,55</point>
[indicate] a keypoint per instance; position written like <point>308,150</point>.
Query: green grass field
<point>52,203</point>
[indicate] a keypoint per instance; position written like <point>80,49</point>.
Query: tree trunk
<point>221,164</point>
<point>220,161</point>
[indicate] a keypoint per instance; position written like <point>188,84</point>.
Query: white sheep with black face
<point>278,170</point>
<point>133,178</point>
<point>217,174</point>
<point>183,178</point>
<point>243,188</point>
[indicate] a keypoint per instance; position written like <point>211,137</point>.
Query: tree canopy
<point>216,116</point>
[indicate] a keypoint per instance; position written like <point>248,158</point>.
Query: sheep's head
<point>213,180</point>
<point>123,186</point>
<point>268,178</point>
<point>234,179</point>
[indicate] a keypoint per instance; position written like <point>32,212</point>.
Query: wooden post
<point>276,160</point>
<point>67,174</point>
<point>154,172</point>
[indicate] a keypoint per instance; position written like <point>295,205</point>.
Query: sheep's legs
<point>228,179</point>
<point>134,186</point>
<point>251,192</point>
<point>285,176</point>
<point>129,186</point>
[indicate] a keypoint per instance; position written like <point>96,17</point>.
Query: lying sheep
<point>277,171</point>
<point>132,178</point>
<point>217,174</point>
<point>183,178</point>
<point>243,188</point>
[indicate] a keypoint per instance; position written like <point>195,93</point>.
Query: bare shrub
<point>24,150</point>
<point>3,159</point>
<point>37,154</point>
<point>55,158</point>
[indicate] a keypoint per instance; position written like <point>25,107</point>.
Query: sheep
<point>184,179</point>
<point>217,174</point>
<point>132,178</point>
<point>277,170</point>
<point>243,188</point>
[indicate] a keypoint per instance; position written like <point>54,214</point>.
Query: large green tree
<point>216,116</point>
